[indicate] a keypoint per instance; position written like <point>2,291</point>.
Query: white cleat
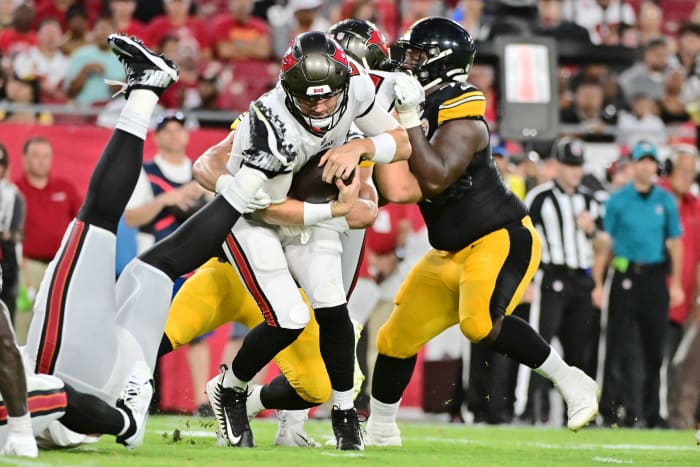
<point>136,399</point>
<point>21,445</point>
<point>382,433</point>
<point>697,436</point>
<point>581,394</point>
<point>290,430</point>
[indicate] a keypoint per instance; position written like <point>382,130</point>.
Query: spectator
<point>185,93</point>
<point>78,27</point>
<point>647,76</point>
<point>469,13</point>
<point>566,215</point>
<point>650,22</point>
<point>604,19</point>
<point>642,220</point>
<point>642,123</point>
<point>52,203</point>
<point>672,107</point>
<point>681,168</point>
<point>25,91</point>
<point>241,36</point>
<point>514,181</point>
<point>178,22</point>
<point>7,9</point>
<point>123,17</point>
<point>587,112</point>
<point>90,65</point>
<point>12,214</point>
<point>20,36</point>
<point>55,9</point>
<point>299,16</point>
<point>46,62</point>
<point>553,24</point>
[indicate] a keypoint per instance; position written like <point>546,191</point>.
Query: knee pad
<point>475,329</point>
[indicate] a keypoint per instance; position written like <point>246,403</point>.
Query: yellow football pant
<point>214,296</point>
<point>472,287</point>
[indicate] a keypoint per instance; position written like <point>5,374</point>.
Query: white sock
<point>136,114</point>
<point>383,413</point>
<point>553,368</point>
<point>254,404</point>
<point>232,381</point>
<point>343,399</point>
<point>127,422</point>
<point>21,424</point>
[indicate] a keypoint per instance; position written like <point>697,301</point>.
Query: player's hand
<point>260,201</point>
<point>339,162</point>
<point>347,196</point>
<point>585,222</point>
<point>409,93</point>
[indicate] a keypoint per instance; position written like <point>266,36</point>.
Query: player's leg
<point>19,439</point>
<point>257,254</point>
<point>490,291</point>
<point>408,328</point>
<point>316,265</point>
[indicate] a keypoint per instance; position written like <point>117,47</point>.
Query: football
<point>307,184</point>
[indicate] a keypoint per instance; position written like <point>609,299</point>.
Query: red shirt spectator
<point>52,203</point>
<point>386,239</point>
<point>240,36</point>
<point>177,22</point>
<point>123,17</point>
<point>20,37</point>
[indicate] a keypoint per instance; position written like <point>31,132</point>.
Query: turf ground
<point>186,441</point>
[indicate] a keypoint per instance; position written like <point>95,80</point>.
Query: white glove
<point>409,96</point>
<point>260,201</point>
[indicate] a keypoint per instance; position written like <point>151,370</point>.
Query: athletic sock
<point>232,381</point>
<point>21,424</point>
<point>383,412</point>
<point>343,399</point>
<point>520,342</point>
<point>254,404</point>
<point>390,378</point>
<point>279,394</point>
<point>553,368</point>
<point>136,114</point>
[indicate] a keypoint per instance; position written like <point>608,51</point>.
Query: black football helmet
<point>436,50</point>
<point>362,41</point>
<point>314,68</point>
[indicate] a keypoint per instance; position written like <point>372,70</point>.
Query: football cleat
<point>581,394</point>
<point>229,406</point>
<point>346,428</point>
<point>135,401</point>
<point>382,434</point>
<point>144,68</point>
<point>290,429</point>
<point>20,444</point>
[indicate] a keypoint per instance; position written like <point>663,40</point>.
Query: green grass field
<point>424,445</point>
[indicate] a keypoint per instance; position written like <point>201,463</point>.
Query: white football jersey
<point>271,139</point>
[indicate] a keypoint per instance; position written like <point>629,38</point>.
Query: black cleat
<point>229,406</point>
<point>346,427</point>
<point>144,68</point>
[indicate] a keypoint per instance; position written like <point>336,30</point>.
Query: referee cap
<point>570,151</point>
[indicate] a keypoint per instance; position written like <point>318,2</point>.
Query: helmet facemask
<point>307,107</point>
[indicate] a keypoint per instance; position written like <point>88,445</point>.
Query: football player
<point>85,332</point>
<point>485,249</point>
<point>215,295</point>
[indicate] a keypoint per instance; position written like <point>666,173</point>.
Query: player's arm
<point>212,163</point>
<point>438,165</point>
<point>387,142</point>
<point>396,183</point>
<point>13,386</point>
<point>295,212</point>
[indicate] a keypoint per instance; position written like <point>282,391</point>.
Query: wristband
<point>384,148</point>
<point>315,213</point>
<point>409,119</point>
<point>222,182</point>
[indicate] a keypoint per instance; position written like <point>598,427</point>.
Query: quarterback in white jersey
<point>304,119</point>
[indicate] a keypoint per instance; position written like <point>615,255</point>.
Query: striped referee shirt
<point>554,213</point>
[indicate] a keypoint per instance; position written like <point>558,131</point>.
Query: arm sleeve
<point>19,213</point>
<point>377,121</point>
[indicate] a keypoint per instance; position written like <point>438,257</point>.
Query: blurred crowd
<point>55,52</point>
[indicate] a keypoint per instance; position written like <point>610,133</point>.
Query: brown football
<point>307,184</point>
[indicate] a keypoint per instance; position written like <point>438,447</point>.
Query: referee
<point>565,215</point>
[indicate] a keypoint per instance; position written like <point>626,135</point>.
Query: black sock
<point>165,346</point>
<point>520,342</point>
<point>337,339</point>
<point>89,415</point>
<point>279,394</point>
<point>113,181</point>
<point>260,346</point>
<point>390,378</point>
<point>195,241</point>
